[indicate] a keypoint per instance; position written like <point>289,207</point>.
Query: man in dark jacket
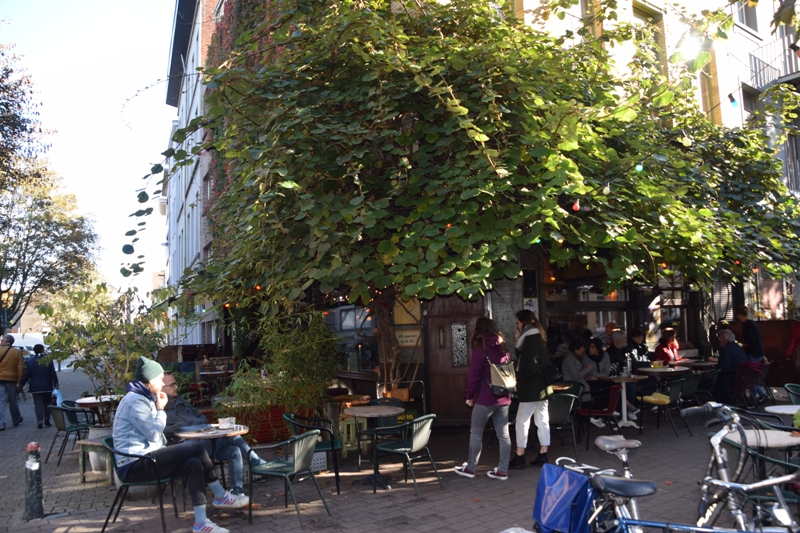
<point>43,379</point>
<point>181,413</point>
<point>731,356</point>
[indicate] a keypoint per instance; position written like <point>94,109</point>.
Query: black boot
<point>540,459</point>
<point>517,463</point>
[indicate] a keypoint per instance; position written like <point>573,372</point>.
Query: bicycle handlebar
<point>705,409</point>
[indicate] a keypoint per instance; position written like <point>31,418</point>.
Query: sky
<point>96,66</point>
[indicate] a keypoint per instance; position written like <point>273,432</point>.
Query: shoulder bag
<point>503,378</point>
<point>550,374</point>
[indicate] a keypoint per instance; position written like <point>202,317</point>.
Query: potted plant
<point>106,333</point>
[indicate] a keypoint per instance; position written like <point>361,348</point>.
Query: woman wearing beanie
<point>139,429</point>
<point>532,391</point>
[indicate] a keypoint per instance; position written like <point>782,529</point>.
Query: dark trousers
<point>40,402</point>
<point>187,459</point>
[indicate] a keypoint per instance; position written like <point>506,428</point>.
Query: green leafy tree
<point>105,333</point>
<point>45,246</point>
<point>398,149</point>
<point>19,124</point>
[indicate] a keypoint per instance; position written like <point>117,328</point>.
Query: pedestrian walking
<point>42,378</point>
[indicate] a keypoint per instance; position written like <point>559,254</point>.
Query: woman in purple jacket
<point>487,345</point>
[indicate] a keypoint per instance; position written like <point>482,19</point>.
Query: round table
<point>696,365</point>
<point>782,409</point>
<point>624,380</point>
<point>766,438</point>
<point>374,411</point>
<point>665,372</point>
<point>96,404</point>
<point>213,434</point>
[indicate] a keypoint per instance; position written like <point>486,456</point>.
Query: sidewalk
<point>466,505</point>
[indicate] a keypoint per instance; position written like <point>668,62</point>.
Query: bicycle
<point>612,515</point>
<point>614,508</point>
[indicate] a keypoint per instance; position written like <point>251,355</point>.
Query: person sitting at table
<point>731,355</point>
<point>638,350</point>
<point>139,429</point>
<point>181,413</point>
<point>578,367</point>
<point>667,349</point>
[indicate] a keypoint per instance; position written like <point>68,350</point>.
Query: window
<point>654,22</point>
<point>746,15</point>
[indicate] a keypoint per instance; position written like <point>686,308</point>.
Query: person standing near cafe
<point>532,391</point>
<point>488,347</point>
<point>11,368</point>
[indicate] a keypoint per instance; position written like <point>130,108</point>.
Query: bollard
<point>34,508</point>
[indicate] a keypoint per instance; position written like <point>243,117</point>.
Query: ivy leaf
<point>142,197</point>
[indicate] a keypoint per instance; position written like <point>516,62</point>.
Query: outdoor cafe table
<point>760,439</point>
<point>624,380</point>
<point>213,434</point>
<point>95,403</point>
<point>782,409</point>
<point>695,365</point>
<point>664,374</point>
<point>374,411</point>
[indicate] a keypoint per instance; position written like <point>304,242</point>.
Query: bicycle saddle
<point>627,488</point>
<point>615,442</point>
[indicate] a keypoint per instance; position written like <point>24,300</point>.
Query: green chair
<point>793,390</point>
<point>689,395</point>
<point>412,445</point>
<point>706,385</point>
<point>298,424</point>
<point>561,407</point>
<point>66,421</point>
<point>159,482</point>
<point>296,462</point>
<point>665,403</point>
<point>72,405</point>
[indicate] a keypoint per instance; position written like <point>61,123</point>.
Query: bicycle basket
<point>563,501</point>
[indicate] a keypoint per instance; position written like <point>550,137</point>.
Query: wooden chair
<point>159,482</point>
<point>298,424</point>
<point>293,467</point>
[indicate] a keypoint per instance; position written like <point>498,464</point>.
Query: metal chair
<point>72,405</point>
<point>561,407</point>
<point>763,383</point>
<point>412,445</point>
<point>159,482</point>
<point>665,403</point>
<point>606,412</point>
<point>298,453</point>
<point>66,421</point>
<point>706,385</point>
<point>793,390</point>
<point>690,384</point>
<point>299,423</point>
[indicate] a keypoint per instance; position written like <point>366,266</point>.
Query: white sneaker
<point>231,501</point>
<point>597,422</point>
<point>617,415</point>
<point>208,527</point>
<point>632,417</point>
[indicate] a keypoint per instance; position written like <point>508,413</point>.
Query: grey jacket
<point>575,368</point>
<point>180,413</point>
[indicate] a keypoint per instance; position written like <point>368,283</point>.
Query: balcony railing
<point>772,62</point>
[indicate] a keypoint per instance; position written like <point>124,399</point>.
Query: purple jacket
<point>479,379</point>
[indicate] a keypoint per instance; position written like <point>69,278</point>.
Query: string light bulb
<point>734,103</point>
<point>576,206</point>
<point>606,190</point>
<point>639,167</point>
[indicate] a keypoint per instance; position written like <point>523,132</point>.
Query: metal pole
<point>34,508</point>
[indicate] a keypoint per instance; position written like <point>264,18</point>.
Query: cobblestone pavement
<point>466,505</point>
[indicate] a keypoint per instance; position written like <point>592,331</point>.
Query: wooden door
<point>450,323</point>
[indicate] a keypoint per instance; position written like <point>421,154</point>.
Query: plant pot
<point>99,460</point>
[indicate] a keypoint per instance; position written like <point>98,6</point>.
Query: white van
<point>26,342</point>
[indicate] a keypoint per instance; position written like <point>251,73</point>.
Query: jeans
<point>8,394</point>
<point>40,402</point>
<point>541,417</point>
<point>480,416</point>
<point>187,459</point>
<point>231,449</point>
